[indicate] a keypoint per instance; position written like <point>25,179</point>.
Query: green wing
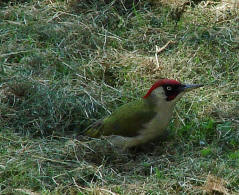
<point>127,120</point>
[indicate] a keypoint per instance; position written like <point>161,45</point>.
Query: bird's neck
<point>163,111</point>
<point>161,105</point>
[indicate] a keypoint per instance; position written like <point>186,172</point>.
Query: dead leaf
<point>215,185</point>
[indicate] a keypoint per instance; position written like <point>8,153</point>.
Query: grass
<point>65,64</point>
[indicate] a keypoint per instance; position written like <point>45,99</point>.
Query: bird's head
<point>167,90</point>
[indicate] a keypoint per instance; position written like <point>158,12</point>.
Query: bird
<point>142,120</point>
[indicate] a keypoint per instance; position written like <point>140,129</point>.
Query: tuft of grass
<point>35,108</point>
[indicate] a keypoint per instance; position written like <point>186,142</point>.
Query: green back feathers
<point>127,120</point>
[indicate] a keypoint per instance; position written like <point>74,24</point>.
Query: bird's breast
<point>156,126</point>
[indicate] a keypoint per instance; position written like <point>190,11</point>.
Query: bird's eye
<point>169,88</point>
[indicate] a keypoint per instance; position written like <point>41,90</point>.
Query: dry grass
<point>65,64</point>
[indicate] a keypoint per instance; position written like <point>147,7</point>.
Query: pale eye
<point>169,88</point>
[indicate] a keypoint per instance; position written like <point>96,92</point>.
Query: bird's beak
<point>188,87</point>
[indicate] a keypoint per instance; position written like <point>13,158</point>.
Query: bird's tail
<point>94,130</point>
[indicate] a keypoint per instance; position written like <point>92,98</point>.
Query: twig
<point>50,160</point>
<point>180,118</point>
<point>108,191</point>
<point>14,53</point>
<point>159,50</point>
<point>80,187</point>
<point>26,191</point>
<point>156,57</point>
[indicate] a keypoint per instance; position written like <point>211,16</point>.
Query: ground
<point>66,64</point>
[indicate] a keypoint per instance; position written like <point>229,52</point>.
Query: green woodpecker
<point>143,120</point>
